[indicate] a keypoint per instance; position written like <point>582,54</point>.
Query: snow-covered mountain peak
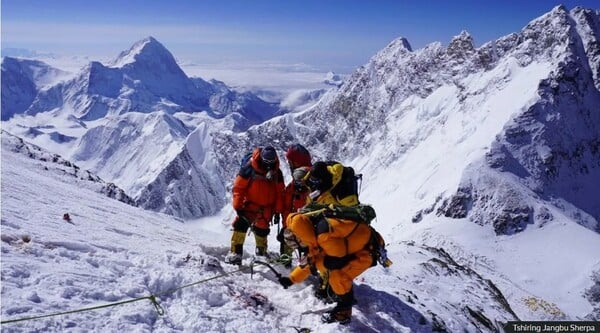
<point>559,9</point>
<point>462,41</point>
<point>558,14</point>
<point>146,49</point>
<point>454,101</point>
<point>395,49</point>
<point>400,43</point>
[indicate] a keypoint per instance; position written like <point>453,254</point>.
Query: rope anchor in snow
<point>159,309</point>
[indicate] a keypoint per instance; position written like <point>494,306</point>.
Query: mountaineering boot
<point>338,315</point>
<point>262,252</point>
<point>237,248</point>
<point>323,295</point>
<point>342,312</point>
<point>233,258</point>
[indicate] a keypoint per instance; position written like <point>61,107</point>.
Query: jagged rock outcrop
<point>189,186</point>
<point>592,294</point>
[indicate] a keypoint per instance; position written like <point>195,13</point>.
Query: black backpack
<point>348,185</point>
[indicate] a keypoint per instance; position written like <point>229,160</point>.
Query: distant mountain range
<point>523,108</point>
<point>118,114</point>
<point>145,78</point>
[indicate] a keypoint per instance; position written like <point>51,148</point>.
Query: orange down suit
<point>257,197</point>
<point>334,244</point>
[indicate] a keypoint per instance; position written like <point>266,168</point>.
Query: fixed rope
<point>152,299</point>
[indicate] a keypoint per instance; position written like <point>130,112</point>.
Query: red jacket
<point>293,200</point>
<point>257,196</point>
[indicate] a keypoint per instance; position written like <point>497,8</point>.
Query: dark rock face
<point>592,294</point>
<point>457,206</point>
<point>513,220</point>
<point>506,215</point>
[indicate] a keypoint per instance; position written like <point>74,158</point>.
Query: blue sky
<point>326,34</point>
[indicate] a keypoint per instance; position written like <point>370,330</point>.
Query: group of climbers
<point>335,248</point>
<point>260,197</point>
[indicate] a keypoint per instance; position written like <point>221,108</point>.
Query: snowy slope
<point>56,164</point>
<point>113,252</point>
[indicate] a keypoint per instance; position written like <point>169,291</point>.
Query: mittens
<point>285,282</point>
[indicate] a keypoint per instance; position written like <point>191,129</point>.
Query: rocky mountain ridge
<point>53,163</point>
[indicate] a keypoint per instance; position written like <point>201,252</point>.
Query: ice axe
<point>254,261</point>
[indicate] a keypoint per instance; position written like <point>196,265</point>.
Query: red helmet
<point>298,156</point>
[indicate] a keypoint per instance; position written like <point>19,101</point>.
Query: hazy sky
<point>326,34</point>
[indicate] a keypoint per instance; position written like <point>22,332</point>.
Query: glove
<point>276,218</point>
<point>285,282</point>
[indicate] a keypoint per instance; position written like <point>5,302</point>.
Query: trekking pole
<point>316,212</point>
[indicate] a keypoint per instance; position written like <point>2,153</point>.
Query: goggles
<point>299,186</point>
<point>268,164</point>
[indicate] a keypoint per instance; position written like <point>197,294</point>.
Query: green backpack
<point>360,213</point>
